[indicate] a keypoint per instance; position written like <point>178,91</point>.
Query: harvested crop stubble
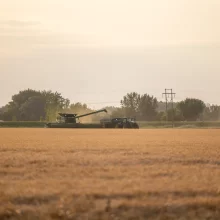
<point>109,174</point>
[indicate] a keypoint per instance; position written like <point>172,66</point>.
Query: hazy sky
<point>98,50</point>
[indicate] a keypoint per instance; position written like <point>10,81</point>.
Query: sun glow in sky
<point>151,44</point>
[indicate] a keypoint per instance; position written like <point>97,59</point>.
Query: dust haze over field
<point>109,174</point>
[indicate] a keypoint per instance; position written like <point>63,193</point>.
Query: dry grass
<point>109,174</point>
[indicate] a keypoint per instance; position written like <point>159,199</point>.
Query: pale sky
<point>98,50</point>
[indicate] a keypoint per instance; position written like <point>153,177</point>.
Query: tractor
<point>119,123</point>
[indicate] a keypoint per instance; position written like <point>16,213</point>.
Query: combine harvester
<point>67,120</point>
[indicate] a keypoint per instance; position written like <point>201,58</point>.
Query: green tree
<point>33,105</point>
<point>172,114</point>
<point>211,113</point>
<point>130,103</point>
<point>191,108</point>
<point>143,107</point>
<point>147,107</point>
<point>54,103</point>
<point>33,109</point>
<point>23,96</point>
<point>3,110</point>
<point>14,106</point>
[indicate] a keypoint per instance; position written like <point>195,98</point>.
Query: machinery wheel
<point>136,126</point>
<point>47,125</point>
<point>125,126</point>
<point>118,126</point>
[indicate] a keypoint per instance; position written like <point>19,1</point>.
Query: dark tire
<point>136,126</point>
<point>47,125</point>
<point>127,125</point>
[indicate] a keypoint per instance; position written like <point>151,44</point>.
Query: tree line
<point>32,105</point>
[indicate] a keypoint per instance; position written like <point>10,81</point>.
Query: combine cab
<point>66,120</point>
<point>119,123</point>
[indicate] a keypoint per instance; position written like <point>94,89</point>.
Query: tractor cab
<point>132,120</point>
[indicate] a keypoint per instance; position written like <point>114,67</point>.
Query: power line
<point>169,94</point>
<point>119,102</point>
<point>102,102</point>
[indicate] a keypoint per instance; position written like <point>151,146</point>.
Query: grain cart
<point>67,120</point>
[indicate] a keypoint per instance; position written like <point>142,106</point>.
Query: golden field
<point>109,174</point>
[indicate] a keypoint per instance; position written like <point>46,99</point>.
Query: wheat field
<point>109,174</point>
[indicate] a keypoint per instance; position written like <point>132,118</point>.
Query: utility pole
<point>169,94</point>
